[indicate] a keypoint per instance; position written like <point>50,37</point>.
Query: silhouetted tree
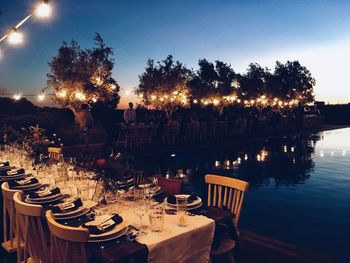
<point>83,75</point>
<point>292,81</point>
<point>164,85</point>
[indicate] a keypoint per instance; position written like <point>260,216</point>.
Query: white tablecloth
<point>190,244</point>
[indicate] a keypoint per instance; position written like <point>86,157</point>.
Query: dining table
<point>191,242</point>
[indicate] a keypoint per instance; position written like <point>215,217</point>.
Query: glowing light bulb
<point>245,157</point>
<point>17,96</point>
<point>80,96</point>
<point>41,97</point>
<point>127,93</point>
<point>216,102</point>
<point>217,163</point>
<point>43,10</point>
<point>15,38</point>
<point>62,94</point>
<point>195,101</point>
<point>113,86</point>
<point>140,96</point>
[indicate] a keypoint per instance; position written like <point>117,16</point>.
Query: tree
<point>253,83</point>
<point>83,75</point>
<point>214,84</point>
<point>164,85</point>
<point>293,81</point>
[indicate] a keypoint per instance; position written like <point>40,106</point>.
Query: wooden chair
<point>67,243</point>
<point>169,186</point>
<point>55,153</point>
<point>9,216</point>
<point>138,177</point>
<point>226,193</point>
<point>30,230</point>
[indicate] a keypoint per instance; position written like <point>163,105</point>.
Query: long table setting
<point>133,222</point>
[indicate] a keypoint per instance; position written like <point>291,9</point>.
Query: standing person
<point>84,120</point>
<point>130,114</point>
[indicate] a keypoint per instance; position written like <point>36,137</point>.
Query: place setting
<point>12,174</point>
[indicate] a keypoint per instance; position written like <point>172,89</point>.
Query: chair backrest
<point>67,243</point>
<point>138,177</point>
<point>9,213</point>
<point>169,186</point>
<point>30,231</point>
<point>226,192</point>
<point>55,153</point>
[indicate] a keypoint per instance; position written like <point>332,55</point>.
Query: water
<point>299,185</point>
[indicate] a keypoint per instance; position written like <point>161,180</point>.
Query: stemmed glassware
<point>140,211</point>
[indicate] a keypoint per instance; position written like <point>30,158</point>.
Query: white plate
<point>188,208</point>
<point>31,201</point>
<point>45,198</point>
<point>27,186</point>
<point>11,177</point>
<point>194,203</point>
<point>101,219</point>
<point>115,236</point>
<point>81,213</point>
<point>69,213</point>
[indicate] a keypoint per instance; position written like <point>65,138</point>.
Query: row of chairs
<point>33,239</point>
<point>38,242</point>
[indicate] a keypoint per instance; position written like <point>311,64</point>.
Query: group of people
<point>253,118</point>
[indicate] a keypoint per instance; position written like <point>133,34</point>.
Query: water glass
<point>156,218</point>
<point>181,208</point>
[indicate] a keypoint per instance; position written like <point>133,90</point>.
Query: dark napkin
<point>96,230</point>
<point>44,193</point>
<point>12,172</point>
<point>172,199</point>
<point>23,182</point>
<point>4,164</point>
<point>67,206</point>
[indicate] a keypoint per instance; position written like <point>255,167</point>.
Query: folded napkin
<point>4,164</point>
<point>105,226</point>
<point>172,199</point>
<point>44,193</point>
<point>67,206</point>
<point>23,182</point>
<point>12,172</point>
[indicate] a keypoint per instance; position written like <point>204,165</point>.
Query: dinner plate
<point>11,177</point>
<point>196,202</point>
<point>101,219</point>
<point>71,216</point>
<point>112,237</point>
<point>27,186</point>
<point>33,201</point>
<point>69,213</point>
<point>44,198</point>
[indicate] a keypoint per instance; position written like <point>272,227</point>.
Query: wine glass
<point>140,210</point>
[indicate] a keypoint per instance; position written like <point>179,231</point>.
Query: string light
<point>43,10</point>
<point>17,96</point>
<point>41,97</point>
<point>15,38</point>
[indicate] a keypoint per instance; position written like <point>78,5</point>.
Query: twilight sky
<point>234,31</point>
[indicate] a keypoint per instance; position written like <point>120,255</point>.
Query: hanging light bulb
<point>17,96</point>
<point>43,10</point>
<point>15,38</point>
<point>41,97</point>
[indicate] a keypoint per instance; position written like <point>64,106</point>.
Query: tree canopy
<point>164,85</point>
<point>83,75</point>
<point>169,83</point>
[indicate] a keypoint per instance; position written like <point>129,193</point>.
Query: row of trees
<point>85,76</point>
<point>169,83</point>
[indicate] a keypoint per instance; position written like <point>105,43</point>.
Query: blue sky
<point>237,32</point>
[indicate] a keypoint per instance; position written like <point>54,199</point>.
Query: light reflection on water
<point>300,185</point>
